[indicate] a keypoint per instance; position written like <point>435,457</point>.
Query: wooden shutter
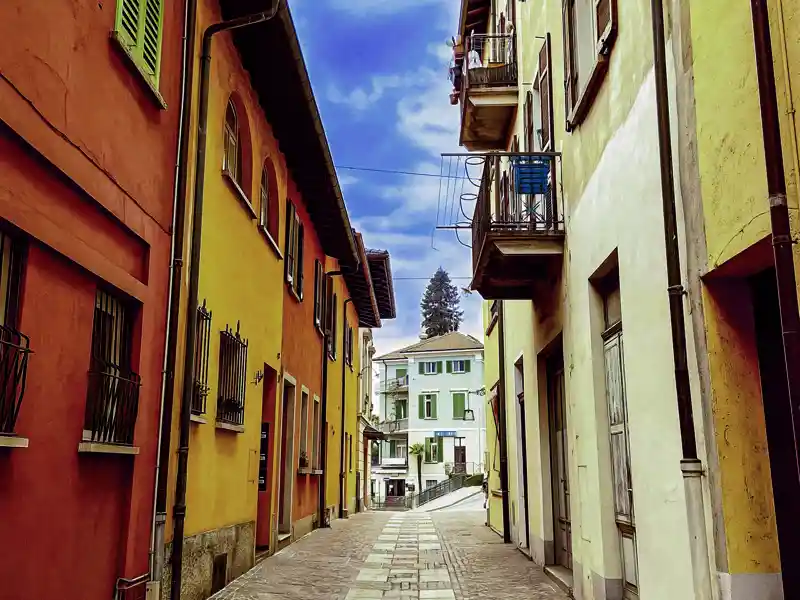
<point>439,367</point>
<point>288,246</point>
<point>458,405</point>
<point>618,425</point>
<point>427,449</point>
<point>333,325</point>
<point>434,400</point>
<point>546,95</point>
<point>605,12</point>
<point>151,36</point>
<point>421,406</point>
<point>449,366</point>
<point>440,449</point>
<point>128,17</point>
<point>466,366</point>
<point>299,260</point>
<point>570,67</point>
<point>530,128</point>
<point>422,368</point>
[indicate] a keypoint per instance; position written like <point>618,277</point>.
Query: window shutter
<point>440,450</point>
<point>300,239</point>
<point>546,95</point>
<point>466,366</point>
<point>439,367</point>
<point>570,72</point>
<point>434,400</point>
<point>530,129</point>
<point>605,12</point>
<point>151,38</point>
<point>316,291</point>
<point>421,406</point>
<point>422,368</point>
<point>449,366</point>
<point>458,405</point>
<point>392,448</point>
<point>427,449</point>
<point>127,25</point>
<point>288,264</point>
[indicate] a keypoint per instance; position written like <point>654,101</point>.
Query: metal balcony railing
<point>394,425</point>
<point>392,385</point>
<point>517,194</point>
<point>490,60</point>
<point>14,352</point>
<point>453,483</point>
<point>112,406</point>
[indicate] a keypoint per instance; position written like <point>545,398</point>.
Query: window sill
<point>587,96</point>
<point>459,373</point>
<point>13,441</point>
<point>265,232</point>
<point>293,292</point>
<point>239,193</point>
<point>304,471</point>
<point>98,448</point>
<point>230,427</point>
<point>198,419</point>
<point>117,41</point>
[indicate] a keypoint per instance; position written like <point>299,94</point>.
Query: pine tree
<point>440,305</point>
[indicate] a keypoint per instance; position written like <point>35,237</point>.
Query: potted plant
<point>303,459</point>
<point>418,450</point>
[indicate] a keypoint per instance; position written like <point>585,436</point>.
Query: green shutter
<point>466,366</point>
<point>139,27</point>
<point>428,449</point>
<point>440,451</point>
<point>392,448</point>
<point>401,373</point>
<point>439,367</point>
<point>422,368</point>
<point>434,400</point>
<point>449,366</point>
<point>421,406</point>
<point>458,405</point>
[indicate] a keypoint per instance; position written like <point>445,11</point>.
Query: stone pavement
<point>377,555</point>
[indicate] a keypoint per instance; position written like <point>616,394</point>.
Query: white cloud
<point>345,180</point>
<point>360,99</point>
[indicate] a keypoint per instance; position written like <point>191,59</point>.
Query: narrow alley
<point>443,555</point>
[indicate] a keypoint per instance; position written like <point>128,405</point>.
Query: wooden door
<point>559,463</point>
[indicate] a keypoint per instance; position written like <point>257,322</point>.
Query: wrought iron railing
<point>453,483</point>
<point>394,425</point>
<point>463,468</point>
<point>132,589</point>
<point>201,350</point>
<point>395,384</point>
<point>517,193</point>
<point>490,60</point>
<point>112,406</point>
<point>14,352</point>
<point>232,377</point>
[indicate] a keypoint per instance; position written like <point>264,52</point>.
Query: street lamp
<point>469,414</point>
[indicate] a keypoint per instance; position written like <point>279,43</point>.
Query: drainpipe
<point>501,426</point>
<point>342,465</point>
<point>781,241</point>
<point>173,308</point>
<point>691,466</point>
<point>179,509</point>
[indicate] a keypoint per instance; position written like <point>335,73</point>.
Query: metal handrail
<point>14,352</point>
<point>453,483</point>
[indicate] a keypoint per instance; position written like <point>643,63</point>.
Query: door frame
<point>554,367</point>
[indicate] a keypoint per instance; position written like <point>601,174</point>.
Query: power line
<point>397,172</point>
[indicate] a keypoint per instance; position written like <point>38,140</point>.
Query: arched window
<point>232,161</point>
<point>268,210</point>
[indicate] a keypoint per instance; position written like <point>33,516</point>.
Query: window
<point>589,32</point>
<point>459,404</point>
<point>315,435</point>
<point>319,293</point>
<point>427,406</point>
<point>232,377</point>
<point>232,157</point>
<point>458,366</point>
<point>401,408</point>
<point>494,314</point>
<point>304,424</point>
<point>138,28</point>
<point>113,394</point>
<point>434,449</point>
<point>295,236</point>
<point>14,346</point>
<point>348,346</point>
<point>430,368</point>
<point>332,325</point>
<point>268,209</point>
<point>401,373</point>
<point>201,351</point>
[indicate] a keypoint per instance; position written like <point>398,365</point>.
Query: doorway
<point>264,523</point>
<point>287,457</point>
<point>459,455</point>
<point>559,467</point>
<point>523,538</point>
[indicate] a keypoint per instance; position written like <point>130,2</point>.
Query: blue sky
<point>379,72</point>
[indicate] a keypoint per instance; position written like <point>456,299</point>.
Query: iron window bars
<point>14,346</point>
<point>112,402</point>
<point>232,377</point>
<point>201,353</point>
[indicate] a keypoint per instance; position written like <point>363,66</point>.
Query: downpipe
<point>691,466</point>
<point>179,509</point>
<point>342,465</point>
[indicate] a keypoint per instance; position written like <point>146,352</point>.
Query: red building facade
<point>89,118</point>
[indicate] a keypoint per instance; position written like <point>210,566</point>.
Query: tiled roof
<point>454,340</point>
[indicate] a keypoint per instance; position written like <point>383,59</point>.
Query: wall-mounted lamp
<point>259,376</point>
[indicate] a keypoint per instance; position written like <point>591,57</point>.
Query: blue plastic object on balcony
<point>531,174</point>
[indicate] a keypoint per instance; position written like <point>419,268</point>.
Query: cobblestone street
<point>446,555</point>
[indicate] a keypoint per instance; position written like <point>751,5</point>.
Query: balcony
<point>517,226</point>
<point>394,463</point>
<point>484,76</point>
<point>394,426</point>
<point>14,353</point>
<point>399,384</point>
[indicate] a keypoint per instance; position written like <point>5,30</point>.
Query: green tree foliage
<point>440,305</point>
